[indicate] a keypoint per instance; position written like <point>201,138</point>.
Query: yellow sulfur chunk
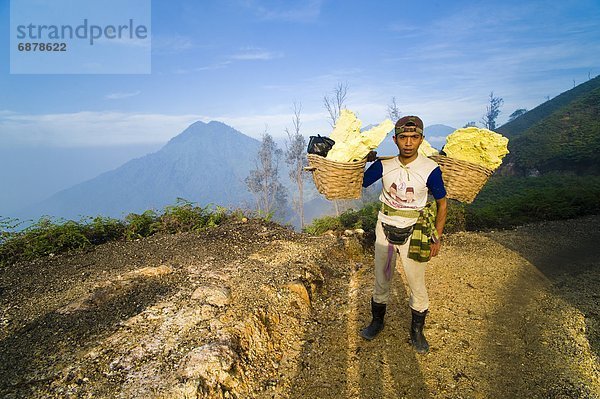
<point>352,144</point>
<point>370,139</point>
<point>479,146</point>
<point>346,127</point>
<point>426,149</point>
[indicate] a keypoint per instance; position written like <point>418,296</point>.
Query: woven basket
<point>337,180</point>
<point>463,180</point>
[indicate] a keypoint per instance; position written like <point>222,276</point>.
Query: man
<point>413,176</point>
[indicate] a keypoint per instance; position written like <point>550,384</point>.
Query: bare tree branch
<point>393,110</point>
<point>295,156</point>
<point>264,182</point>
<point>335,103</point>
<point>492,112</point>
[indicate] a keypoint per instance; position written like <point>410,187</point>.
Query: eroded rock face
<point>298,288</point>
<point>214,366</point>
<point>216,296</point>
<point>223,311</point>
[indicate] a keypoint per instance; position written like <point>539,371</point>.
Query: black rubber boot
<point>378,311</point>
<point>417,339</point>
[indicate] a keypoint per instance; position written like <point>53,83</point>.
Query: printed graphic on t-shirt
<point>400,195</point>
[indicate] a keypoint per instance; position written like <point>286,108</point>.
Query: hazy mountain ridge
<point>36,173</point>
<point>206,163</point>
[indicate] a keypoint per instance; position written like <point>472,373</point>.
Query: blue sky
<point>245,62</point>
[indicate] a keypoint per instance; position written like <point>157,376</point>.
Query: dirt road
<point>512,315</point>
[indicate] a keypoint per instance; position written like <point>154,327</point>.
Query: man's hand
<point>371,156</point>
<point>435,248</point>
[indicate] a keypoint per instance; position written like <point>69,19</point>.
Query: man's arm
<point>373,173</point>
<point>440,222</point>
<point>435,183</point>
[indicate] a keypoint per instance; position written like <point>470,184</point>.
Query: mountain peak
<point>213,133</point>
<point>206,163</point>
<point>218,123</point>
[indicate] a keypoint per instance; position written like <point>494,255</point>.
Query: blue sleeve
<point>436,184</point>
<point>373,173</point>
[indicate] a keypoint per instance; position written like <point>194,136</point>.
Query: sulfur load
<point>426,149</point>
<point>350,143</point>
<point>346,127</point>
<point>479,146</point>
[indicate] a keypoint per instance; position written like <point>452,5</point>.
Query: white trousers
<point>413,270</point>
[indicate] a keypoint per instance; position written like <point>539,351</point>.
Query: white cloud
<point>95,129</point>
<point>90,128</point>
<point>119,96</point>
<point>218,65</point>
<point>302,11</point>
<point>405,29</point>
<point>145,43</point>
<point>275,123</point>
<point>255,53</point>
<point>245,54</point>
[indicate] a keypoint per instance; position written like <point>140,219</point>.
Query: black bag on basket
<point>319,145</point>
<point>397,235</point>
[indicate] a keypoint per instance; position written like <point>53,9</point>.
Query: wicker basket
<point>337,180</point>
<point>463,180</point>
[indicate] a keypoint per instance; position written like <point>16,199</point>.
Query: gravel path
<point>512,315</point>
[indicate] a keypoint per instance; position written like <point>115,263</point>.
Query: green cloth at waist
<point>420,248</point>
<point>405,213</point>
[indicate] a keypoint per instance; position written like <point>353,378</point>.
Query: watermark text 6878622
<point>33,46</point>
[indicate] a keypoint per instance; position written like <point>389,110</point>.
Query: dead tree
<point>264,182</point>
<point>334,105</point>
<point>335,102</point>
<point>492,112</point>
<point>393,111</point>
<point>295,157</point>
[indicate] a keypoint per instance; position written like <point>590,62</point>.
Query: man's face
<point>408,143</point>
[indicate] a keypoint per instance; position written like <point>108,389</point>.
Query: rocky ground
<point>253,310</point>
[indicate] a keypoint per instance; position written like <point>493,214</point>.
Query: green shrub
<point>367,216</point>
<point>183,216</point>
<point>236,214</point>
<point>216,217</point>
<point>321,225</point>
<point>187,216</point>
<point>44,238</point>
<point>349,219</point>
<point>63,237</point>
<point>49,236</point>
<point>104,229</point>
<point>366,219</point>
<point>139,226</point>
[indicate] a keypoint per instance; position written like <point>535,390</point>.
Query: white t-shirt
<point>405,187</point>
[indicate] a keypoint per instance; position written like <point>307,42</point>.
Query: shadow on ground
<point>338,363</point>
<point>32,355</point>
<point>572,265</point>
